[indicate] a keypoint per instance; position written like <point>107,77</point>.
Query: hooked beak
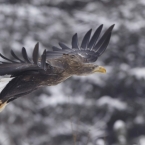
<point>100,69</point>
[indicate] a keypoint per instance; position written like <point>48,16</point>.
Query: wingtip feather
<point>75,41</point>
<point>35,53</point>
<point>86,39</point>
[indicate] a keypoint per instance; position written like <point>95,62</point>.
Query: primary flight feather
<point>52,67</point>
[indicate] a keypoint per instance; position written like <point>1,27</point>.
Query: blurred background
<point>100,109</point>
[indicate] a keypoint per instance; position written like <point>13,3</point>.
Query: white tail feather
<point>2,106</point>
<point>4,82</point>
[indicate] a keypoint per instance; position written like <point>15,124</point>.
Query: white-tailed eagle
<point>52,67</point>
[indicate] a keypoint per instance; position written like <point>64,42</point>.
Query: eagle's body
<point>53,67</point>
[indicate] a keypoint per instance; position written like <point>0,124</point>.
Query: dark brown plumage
<point>53,67</point>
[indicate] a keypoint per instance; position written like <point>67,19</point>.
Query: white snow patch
<point>111,103</point>
<point>142,140</point>
<point>119,124</point>
<point>59,97</point>
<point>100,142</point>
<point>142,2</point>
<point>4,138</point>
<point>138,72</point>
<point>139,119</point>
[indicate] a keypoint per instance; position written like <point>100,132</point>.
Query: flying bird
<point>52,67</point>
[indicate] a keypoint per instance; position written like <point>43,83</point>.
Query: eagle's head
<point>87,69</point>
<point>96,69</point>
<point>77,67</point>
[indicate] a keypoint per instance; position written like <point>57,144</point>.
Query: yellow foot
<point>2,105</point>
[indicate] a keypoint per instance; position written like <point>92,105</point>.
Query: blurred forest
<point>100,109</point>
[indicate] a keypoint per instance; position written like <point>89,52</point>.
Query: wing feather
<point>35,53</point>
<point>89,50</point>
<point>104,45</point>
<point>25,56</point>
<point>95,37</point>
<point>16,57</point>
<point>75,41</point>
<point>56,48</point>
<point>86,39</point>
<point>7,58</point>
<point>15,68</point>
<point>63,46</point>
<point>103,38</point>
<point>43,60</point>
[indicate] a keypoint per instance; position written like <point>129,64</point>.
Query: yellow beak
<point>100,69</point>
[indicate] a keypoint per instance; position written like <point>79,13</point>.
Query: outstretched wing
<point>89,50</point>
<point>15,67</point>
